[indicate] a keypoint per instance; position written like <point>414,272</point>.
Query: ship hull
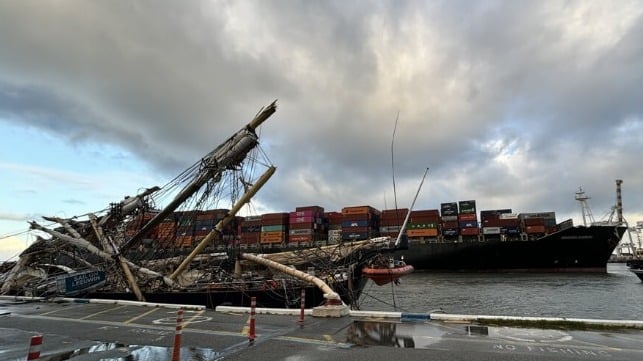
<point>575,249</point>
<point>636,267</point>
<point>270,296</point>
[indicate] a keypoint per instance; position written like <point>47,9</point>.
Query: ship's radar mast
<point>585,210</point>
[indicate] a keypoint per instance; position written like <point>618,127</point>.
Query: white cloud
<point>514,104</point>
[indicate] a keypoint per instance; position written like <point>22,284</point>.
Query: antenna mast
<point>585,210</point>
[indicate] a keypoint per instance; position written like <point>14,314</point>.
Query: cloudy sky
<point>515,104</point>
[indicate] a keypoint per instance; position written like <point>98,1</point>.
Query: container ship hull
<point>575,249</point>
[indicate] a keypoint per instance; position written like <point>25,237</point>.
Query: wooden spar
<point>65,225</point>
<point>328,292</point>
<point>98,230</point>
<point>226,156</point>
<point>81,243</point>
<point>215,232</point>
<point>130,278</point>
<point>262,116</point>
<point>406,220</point>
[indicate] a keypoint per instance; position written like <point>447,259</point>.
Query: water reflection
<point>366,333</point>
<point>111,351</point>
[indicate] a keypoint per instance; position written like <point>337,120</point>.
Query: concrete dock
<point>133,331</point>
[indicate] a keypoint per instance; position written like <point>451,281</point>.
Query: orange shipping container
<point>272,237</point>
<point>184,241</point>
<point>360,210</point>
<point>427,232</point>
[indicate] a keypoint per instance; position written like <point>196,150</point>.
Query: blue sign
<point>79,282</point>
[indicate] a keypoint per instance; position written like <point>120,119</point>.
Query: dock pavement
<point>84,330</point>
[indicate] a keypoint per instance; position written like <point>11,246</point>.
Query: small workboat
<point>382,271</point>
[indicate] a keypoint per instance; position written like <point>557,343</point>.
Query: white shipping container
<point>449,218</point>
<point>490,230</point>
<point>300,232</point>
<point>508,215</point>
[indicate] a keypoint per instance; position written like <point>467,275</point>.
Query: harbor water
<point>615,295</point>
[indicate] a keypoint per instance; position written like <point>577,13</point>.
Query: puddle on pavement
<point>110,351</point>
<point>403,335</point>
<point>423,334</point>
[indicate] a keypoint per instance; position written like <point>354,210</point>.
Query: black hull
<point>636,267</point>
<point>576,249</point>
<point>271,298</point>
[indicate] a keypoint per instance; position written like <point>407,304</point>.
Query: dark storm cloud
<point>513,103</point>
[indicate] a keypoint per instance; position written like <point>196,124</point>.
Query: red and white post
<point>34,348</point>
<point>251,333</point>
<point>176,350</point>
<point>303,307</point>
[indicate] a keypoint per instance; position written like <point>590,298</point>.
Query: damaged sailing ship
<point>109,254</point>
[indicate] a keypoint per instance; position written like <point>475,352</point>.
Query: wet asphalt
<point>80,331</point>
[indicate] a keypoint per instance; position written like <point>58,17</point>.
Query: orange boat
<point>385,272</point>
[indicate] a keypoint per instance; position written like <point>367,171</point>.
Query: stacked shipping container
<point>449,219</point>
<point>334,220</point>
<point>391,221</point>
<point>311,224</point>
<point>423,223</point>
<point>250,230</point>
<point>360,222</point>
<point>274,228</point>
<point>307,225</point>
<point>167,232</point>
<point>185,226</point>
<point>491,223</point>
<point>538,223</point>
<point>207,220</point>
<point>468,219</point>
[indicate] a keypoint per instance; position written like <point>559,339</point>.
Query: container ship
<point>454,237</point>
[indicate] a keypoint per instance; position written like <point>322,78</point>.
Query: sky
<point>514,104</point>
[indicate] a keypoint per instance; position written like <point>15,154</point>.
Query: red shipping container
<point>509,222</point>
<point>491,222</point>
<point>423,219</point>
<point>467,217</point>
<point>357,217</point>
<point>315,209</point>
<point>303,226</point>
<point>394,213</point>
<point>274,218</point>
<point>300,238</point>
<point>534,229</point>
<point>302,219</point>
<point>469,231</point>
<point>450,224</point>
<point>426,213</point>
<point>534,221</point>
<point>391,222</point>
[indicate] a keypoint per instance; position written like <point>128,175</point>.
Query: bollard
<point>303,306</point>
<point>34,348</point>
<point>251,334</point>
<point>176,350</point>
